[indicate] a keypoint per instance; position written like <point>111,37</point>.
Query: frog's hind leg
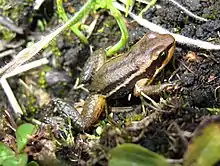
<point>92,109</point>
<point>64,110</point>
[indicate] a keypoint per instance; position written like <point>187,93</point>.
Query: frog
<point>118,76</point>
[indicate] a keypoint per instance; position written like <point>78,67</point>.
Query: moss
<point>42,81</point>
<point>53,47</point>
<point>13,10</point>
<point>212,15</point>
<point>32,103</point>
<point>6,33</point>
<point>135,117</point>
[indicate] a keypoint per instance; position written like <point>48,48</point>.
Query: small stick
<point>11,97</point>
<point>179,38</point>
<point>37,4</point>
<point>189,13</point>
<point>10,25</point>
<point>7,89</point>
<point>7,52</point>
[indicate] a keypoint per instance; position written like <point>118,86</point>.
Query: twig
<point>175,161</point>
<point>179,38</point>
<point>29,52</point>
<point>10,95</point>
<point>92,26</point>
<point>7,52</point>
<point>134,126</point>
<point>37,4</point>
<point>10,25</point>
<point>189,13</point>
<point>7,89</point>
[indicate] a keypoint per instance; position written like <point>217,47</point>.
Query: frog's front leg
<point>93,63</point>
<point>92,109</point>
<point>142,86</point>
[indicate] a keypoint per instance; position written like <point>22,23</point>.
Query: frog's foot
<point>142,88</point>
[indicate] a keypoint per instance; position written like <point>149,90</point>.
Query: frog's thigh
<point>92,109</point>
<point>142,86</point>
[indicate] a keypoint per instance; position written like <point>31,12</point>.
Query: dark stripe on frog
<point>113,73</point>
<point>123,90</point>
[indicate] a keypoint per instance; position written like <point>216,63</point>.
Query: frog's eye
<point>163,53</point>
<point>156,55</point>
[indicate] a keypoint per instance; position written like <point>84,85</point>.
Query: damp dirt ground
<point>196,72</point>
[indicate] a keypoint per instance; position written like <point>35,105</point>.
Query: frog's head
<point>160,45</point>
<point>160,49</point>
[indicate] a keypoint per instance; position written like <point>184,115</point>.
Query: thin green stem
<point>63,15</point>
<point>29,52</point>
<point>86,9</point>
<point>128,4</point>
<point>83,12</point>
<point>151,3</point>
<point>124,33</point>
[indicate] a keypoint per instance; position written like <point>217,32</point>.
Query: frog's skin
<point>117,76</point>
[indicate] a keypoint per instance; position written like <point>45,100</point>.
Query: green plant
<point>203,149</point>
<point>63,16</point>
<point>32,50</point>
<point>17,156</point>
<point>131,154</point>
<point>150,4</point>
<point>95,5</point>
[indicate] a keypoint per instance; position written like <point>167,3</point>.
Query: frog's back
<point>114,75</point>
<point>119,75</point>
